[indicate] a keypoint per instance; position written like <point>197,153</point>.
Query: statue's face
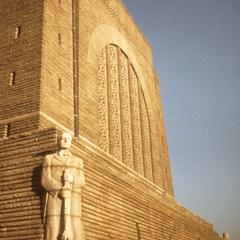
<point>66,140</point>
<point>226,236</point>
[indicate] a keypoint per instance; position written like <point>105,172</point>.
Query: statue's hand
<point>68,177</point>
<point>66,192</point>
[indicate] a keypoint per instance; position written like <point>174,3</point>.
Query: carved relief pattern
<point>103,103</point>
<point>136,122</point>
<point>147,155</point>
<point>123,118</point>
<point>114,103</point>
<point>125,110</point>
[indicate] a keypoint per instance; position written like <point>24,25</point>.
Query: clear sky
<point>196,50</point>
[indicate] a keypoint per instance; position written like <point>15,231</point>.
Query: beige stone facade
<point>84,67</point>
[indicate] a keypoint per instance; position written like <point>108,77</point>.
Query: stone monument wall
<point>112,51</point>
<point>84,67</point>
<point>57,104</point>
<point>20,66</point>
<point>117,203</point>
<point>53,68</point>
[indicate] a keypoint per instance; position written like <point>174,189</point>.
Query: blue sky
<point>196,50</point>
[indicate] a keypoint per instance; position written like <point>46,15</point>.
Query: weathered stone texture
<point>111,24</point>
<point>20,53</point>
<point>114,199</point>
<point>20,192</point>
<point>49,53</point>
<point>57,63</point>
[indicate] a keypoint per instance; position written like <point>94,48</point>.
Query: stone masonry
<point>84,67</point>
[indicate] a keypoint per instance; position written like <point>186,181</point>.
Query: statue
<point>226,236</point>
<point>63,178</point>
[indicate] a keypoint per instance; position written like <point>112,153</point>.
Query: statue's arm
<point>48,182</point>
<point>79,180</point>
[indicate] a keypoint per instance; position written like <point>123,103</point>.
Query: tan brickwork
<point>114,199</point>
<point>51,50</point>
<point>57,63</point>
<point>98,29</point>
<point>20,54</point>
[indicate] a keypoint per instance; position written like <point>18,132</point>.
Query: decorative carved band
<point>114,102</point>
<point>127,141</point>
<point>103,103</point>
<point>136,122</point>
<point>146,141</point>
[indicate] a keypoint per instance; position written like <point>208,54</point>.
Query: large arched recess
<point>105,35</point>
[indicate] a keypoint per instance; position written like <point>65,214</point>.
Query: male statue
<point>63,178</point>
<point>226,236</point>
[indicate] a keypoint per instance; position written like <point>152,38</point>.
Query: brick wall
<point>111,24</point>
<point>117,203</point>
<point>21,198</point>
<point>36,79</point>
<point>37,70</point>
<point>20,65</point>
<point>57,63</point>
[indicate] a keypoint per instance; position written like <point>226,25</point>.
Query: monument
<point>226,236</point>
<point>63,178</point>
<point>82,70</point>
